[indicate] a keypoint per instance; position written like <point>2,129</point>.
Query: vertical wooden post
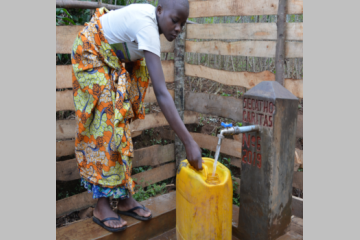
<point>179,63</point>
<point>280,42</point>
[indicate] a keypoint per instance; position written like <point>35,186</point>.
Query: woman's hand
<point>193,155</point>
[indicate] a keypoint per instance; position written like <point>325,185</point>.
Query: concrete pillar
<point>267,161</point>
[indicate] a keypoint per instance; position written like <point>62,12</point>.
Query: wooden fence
<point>257,40</point>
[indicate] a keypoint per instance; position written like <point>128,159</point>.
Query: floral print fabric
<point>98,191</point>
<point>103,144</point>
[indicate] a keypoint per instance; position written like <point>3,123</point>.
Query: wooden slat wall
<point>243,31</point>
<point>74,203</point>
<point>158,119</point>
<point>228,107</point>
<point>241,7</point>
<point>245,48</point>
<point>150,96</point>
<point>213,104</point>
<point>150,156</point>
<point>154,155</point>
<point>65,37</point>
<point>64,77</point>
<point>65,148</point>
<point>243,79</point>
<point>228,146</point>
<point>65,99</point>
<point>155,175</point>
<point>66,128</point>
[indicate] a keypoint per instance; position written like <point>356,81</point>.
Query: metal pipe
<point>236,130</point>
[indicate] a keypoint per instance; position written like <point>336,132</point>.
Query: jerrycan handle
<point>203,172</point>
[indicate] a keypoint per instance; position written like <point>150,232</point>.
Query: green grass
<point>151,191</point>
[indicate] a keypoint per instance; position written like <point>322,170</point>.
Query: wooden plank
<point>155,175</point>
<point>150,96</point>
<point>243,31</point>
<point>65,100</point>
<point>169,235</point>
<point>243,79</point>
<point>154,155</point>
<point>244,8</point>
<point>297,207</point>
<point>64,75</point>
<point>158,119</point>
<point>295,86</point>
<point>168,69</point>
<point>165,45</point>
<point>298,180</point>
<point>74,203</point>
<point>149,156</point>
<point>245,48</point>
<point>67,170</point>
<point>163,210</point>
<point>65,37</point>
<point>228,146</point>
<point>206,103</point>
<point>65,129</point>
<point>135,133</point>
<point>236,162</point>
<point>233,160</point>
<point>65,148</point>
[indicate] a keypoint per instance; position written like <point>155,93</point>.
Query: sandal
<point>133,214</point>
<point>110,229</point>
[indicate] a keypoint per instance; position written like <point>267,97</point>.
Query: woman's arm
<point>167,106</point>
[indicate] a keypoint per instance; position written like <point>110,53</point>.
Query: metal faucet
<point>229,129</point>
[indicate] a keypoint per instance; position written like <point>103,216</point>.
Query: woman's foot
<point>103,210</point>
<point>129,203</point>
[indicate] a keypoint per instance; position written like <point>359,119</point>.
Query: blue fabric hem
<point>98,191</point>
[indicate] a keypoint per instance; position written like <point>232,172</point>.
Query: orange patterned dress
<point>103,109</point>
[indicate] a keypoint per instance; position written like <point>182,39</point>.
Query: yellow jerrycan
<point>203,202</point>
